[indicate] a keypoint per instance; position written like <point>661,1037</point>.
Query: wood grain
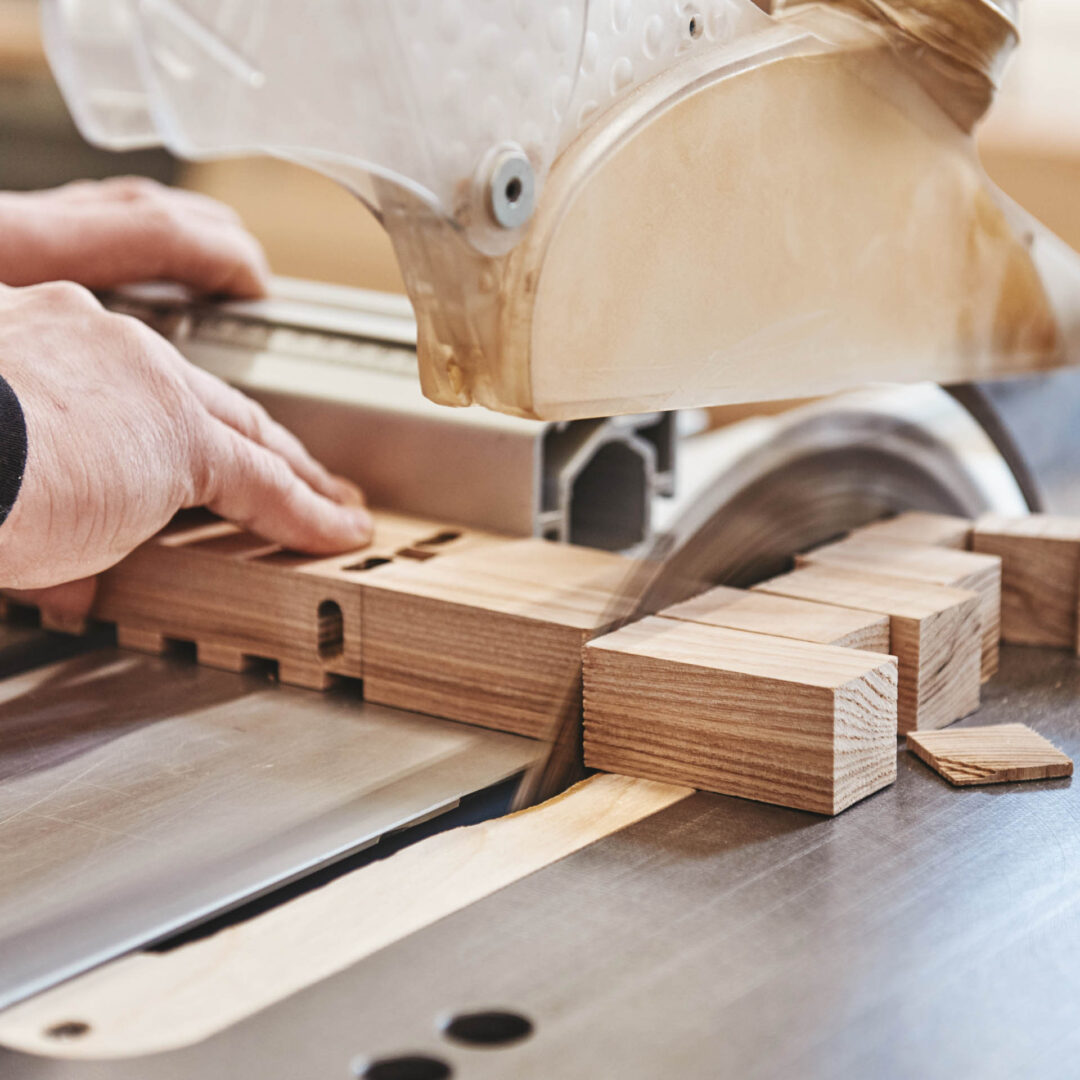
<point>920,527</point>
<point>933,631</point>
<point>241,599</point>
<point>978,573</point>
<point>152,1002</point>
<point>1040,576</point>
<point>772,719</point>
<point>491,638</point>
<point>995,754</point>
<point>782,616</point>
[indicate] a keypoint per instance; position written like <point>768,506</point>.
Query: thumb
<point>256,488</point>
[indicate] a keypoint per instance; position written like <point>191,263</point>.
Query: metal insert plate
<point>139,795</point>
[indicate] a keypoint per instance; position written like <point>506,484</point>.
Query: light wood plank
<point>995,754</point>
<point>920,527</point>
<point>151,1002</point>
<point>933,631</point>
<point>1040,578</point>
<point>782,616</point>
<point>767,718</point>
<point>978,573</point>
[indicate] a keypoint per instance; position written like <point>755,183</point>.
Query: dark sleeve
<point>12,448</point>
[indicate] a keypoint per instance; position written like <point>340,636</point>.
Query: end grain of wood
<point>996,754</point>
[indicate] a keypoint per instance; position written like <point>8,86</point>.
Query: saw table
<point>723,938</point>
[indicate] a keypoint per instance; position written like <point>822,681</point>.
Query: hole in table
<point>491,1027</point>
<point>406,1067</point>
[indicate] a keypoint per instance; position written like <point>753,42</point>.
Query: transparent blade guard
<point>417,92</point>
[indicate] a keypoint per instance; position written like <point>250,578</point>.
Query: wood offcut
<point>996,754</point>
<point>773,719</point>
<point>934,633</point>
<point>980,574</point>
<point>1040,576</point>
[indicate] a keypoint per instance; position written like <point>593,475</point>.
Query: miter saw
<point>604,211</point>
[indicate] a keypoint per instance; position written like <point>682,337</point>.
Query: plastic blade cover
<point>417,92</point>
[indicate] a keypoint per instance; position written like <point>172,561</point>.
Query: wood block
<point>782,616</point>
<point>1040,576</point>
<point>774,719</point>
<point>919,527</point>
<point>933,632</point>
<point>958,569</point>
<point>494,641</point>
<point>238,597</point>
<point>996,754</point>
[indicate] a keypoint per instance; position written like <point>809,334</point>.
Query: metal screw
<point>511,189</point>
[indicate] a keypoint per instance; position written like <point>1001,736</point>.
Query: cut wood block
<point>1040,576</point>
<point>782,616</point>
<point>959,569</point>
<point>781,721</point>
<point>238,597</point>
<point>493,640</point>
<point>919,527</point>
<point>996,754</point>
<point>933,632</point>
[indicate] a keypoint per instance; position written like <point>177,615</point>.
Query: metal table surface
<point>927,932</point>
<point>139,795</point>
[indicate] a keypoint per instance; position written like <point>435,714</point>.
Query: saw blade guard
<point>431,95</point>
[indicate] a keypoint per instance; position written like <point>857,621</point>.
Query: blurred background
<point>311,228</point>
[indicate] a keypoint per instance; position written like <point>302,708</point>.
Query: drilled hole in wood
<point>439,538</point>
<point>492,1027</point>
<point>331,630</point>
<point>368,564</point>
<point>68,1029</point>
<point>419,554</point>
<point>407,1067</point>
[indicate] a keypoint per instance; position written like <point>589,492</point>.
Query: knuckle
<point>66,294</point>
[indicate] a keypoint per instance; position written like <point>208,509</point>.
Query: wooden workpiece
<point>995,754</point>
<point>933,631</point>
<point>940,566</point>
<point>1040,576</point>
<point>782,616</point>
<point>920,527</point>
<point>491,638</point>
<point>782,721</point>
<point>239,598</point>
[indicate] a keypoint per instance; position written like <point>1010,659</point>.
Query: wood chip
<point>996,754</point>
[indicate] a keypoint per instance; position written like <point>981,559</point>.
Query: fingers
<point>134,189</point>
<point>63,607</point>
<point>250,419</point>
<point>119,232</point>
<point>251,485</point>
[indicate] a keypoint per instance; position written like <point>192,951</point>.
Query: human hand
<point>106,233</point>
<point>122,432</point>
